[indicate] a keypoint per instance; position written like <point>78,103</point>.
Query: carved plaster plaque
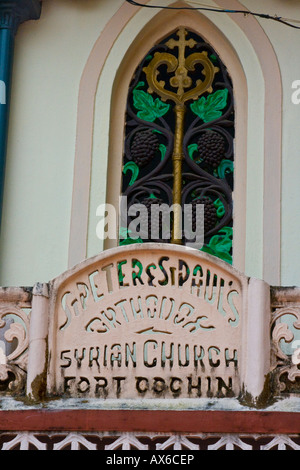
<point>148,321</point>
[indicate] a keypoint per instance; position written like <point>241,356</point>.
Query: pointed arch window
<point>179,144</point>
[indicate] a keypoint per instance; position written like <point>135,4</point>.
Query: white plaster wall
<point>49,60</point>
<point>286,43</point>
<point>50,55</point>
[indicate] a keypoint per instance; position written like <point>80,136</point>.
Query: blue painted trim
<point>6,63</point>
<point>12,14</point>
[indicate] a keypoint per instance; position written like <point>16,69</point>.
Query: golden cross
<point>180,67</point>
<point>182,43</point>
<point>181,80</point>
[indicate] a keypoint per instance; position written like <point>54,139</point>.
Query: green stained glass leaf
<point>220,208</point>
<point>123,232</point>
<point>226,166</point>
<point>161,108</point>
<point>220,245</point>
<point>192,149</point>
<point>163,150</point>
<point>130,241</point>
<point>131,166</point>
<point>124,235</point>
<point>224,256</point>
<point>148,109</point>
<point>210,108</point>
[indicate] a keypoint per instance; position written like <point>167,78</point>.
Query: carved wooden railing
<point>147,442</point>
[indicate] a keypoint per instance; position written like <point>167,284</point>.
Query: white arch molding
<point>90,88</point>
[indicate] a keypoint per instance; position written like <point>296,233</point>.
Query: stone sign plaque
<point>148,321</point>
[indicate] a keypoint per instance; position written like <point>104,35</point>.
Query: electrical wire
<point>279,19</point>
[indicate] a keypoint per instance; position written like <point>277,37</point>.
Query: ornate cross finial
<point>181,80</point>
<point>182,43</point>
<point>181,68</point>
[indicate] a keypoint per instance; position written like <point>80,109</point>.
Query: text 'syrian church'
<point>149,256</point>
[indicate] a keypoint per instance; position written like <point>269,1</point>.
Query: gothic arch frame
<point>272,130</point>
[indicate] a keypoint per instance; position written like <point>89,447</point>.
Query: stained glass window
<point>179,145</point>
